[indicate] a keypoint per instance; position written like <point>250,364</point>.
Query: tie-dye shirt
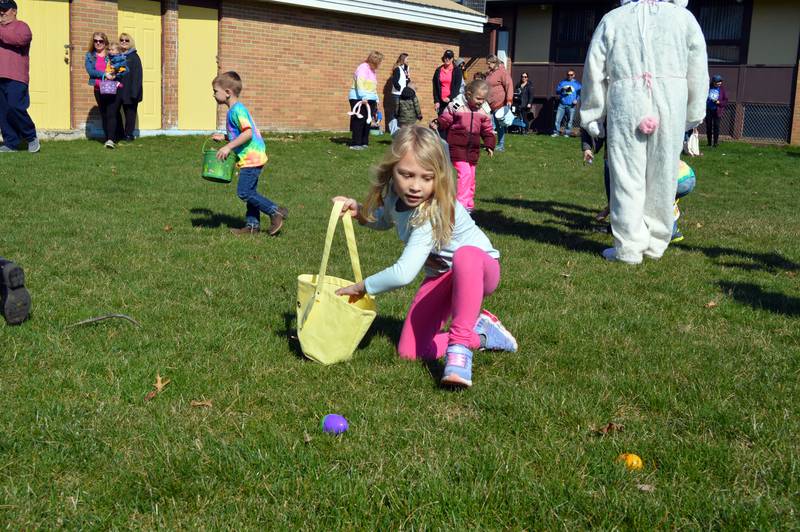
<point>365,84</point>
<point>253,152</point>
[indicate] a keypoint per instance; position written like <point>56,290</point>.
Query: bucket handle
<point>203,149</point>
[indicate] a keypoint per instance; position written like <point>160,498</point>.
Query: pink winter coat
<point>465,128</point>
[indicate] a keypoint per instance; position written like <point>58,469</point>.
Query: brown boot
<point>246,230</point>
<point>277,221</point>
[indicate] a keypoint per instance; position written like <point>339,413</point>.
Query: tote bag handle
<point>347,222</point>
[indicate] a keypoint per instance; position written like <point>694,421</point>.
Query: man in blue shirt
<point>569,94</point>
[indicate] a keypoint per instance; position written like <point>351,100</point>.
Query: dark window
<point>726,26</point>
<point>573,26</point>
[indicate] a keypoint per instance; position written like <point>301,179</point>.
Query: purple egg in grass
<point>334,424</point>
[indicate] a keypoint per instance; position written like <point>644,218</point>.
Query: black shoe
<point>15,301</point>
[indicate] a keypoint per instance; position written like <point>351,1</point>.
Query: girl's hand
<point>434,124</point>
<point>490,152</point>
<point>588,157</point>
<point>363,100</point>
<point>436,106</point>
<point>110,75</point>
<point>219,137</point>
<point>223,153</point>
<point>355,291</point>
<point>350,205</point>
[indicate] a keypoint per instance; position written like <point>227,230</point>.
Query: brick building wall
<point>169,64</point>
<point>85,18</point>
<point>794,138</point>
<point>297,64</point>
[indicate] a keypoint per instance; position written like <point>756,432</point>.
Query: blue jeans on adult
<point>15,122</point>
<point>501,133</point>
<point>569,110</point>
<point>256,203</point>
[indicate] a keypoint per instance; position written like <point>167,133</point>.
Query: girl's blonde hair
<point>439,209</point>
<point>374,59</point>
<point>100,35</point>
<point>114,46</point>
<point>130,39</point>
<point>476,86</point>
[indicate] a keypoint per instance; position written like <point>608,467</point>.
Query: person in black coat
<point>450,73</point>
<point>131,90</point>
<point>523,99</point>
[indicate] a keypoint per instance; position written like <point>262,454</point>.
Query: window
<point>573,26</point>
<point>726,26</point>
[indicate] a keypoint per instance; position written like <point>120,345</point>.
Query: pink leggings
<point>465,188</point>
<point>457,293</point>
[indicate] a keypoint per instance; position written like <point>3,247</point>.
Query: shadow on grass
<point>211,219</point>
<point>760,261</point>
<point>758,298</point>
<point>340,140</point>
<point>497,222</point>
<point>382,325</point>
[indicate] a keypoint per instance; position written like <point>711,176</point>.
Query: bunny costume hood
<point>646,78</point>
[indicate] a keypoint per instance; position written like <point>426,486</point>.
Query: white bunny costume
<point>646,75</point>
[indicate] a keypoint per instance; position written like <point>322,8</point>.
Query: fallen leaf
<point>159,386</point>
<point>206,403</point>
<point>307,437</point>
<point>610,427</point>
<point>647,488</point>
<point>699,225</point>
<point>791,274</point>
<point>565,275</point>
<point>167,228</point>
<point>207,292</point>
<point>711,304</point>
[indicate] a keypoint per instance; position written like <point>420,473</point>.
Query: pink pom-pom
<point>648,125</point>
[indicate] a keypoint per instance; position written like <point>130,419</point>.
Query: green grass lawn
<point>708,393</point>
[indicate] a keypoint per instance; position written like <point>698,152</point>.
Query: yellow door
<point>142,20</point>
<point>49,57</point>
<point>197,66</point>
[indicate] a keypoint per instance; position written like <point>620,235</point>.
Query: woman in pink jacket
<point>501,93</point>
<point>465,126</point>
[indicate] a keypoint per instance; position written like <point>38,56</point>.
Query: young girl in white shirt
<point>414,192</point>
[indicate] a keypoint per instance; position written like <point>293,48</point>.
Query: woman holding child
<point>97,66</point>
<point>131,90</point>
<point>364,90</point>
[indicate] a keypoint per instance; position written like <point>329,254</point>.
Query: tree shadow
<point>761,261</point>
<point>756,297</point>
<point>210,219</point>
<point>566,214</point>
<point>497,222</point>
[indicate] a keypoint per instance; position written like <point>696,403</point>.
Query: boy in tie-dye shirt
<point>245,141</point>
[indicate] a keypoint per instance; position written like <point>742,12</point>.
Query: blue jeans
<point>570,112</point>
<point>15,122</point>
<point>256,203</point>
<point>501,133</point>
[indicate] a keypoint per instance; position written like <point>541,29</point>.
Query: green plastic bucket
<point>216,170</point>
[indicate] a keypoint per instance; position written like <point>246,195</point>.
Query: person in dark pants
<point>364,90</point>
<point>447,81</point>
<point>131,90</point>
<point>108,104</point>
<point>15,43</point>
<point>715,107</point>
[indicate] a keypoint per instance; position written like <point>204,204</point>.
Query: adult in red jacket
<point>465,126</point>
<point>15,44</point>
<point>501,93</point>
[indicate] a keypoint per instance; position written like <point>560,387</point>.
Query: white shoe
<point>610,254</point>
<point>110,144</point>
<point>33,146</point>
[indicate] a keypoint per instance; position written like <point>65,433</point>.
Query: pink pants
<point>457,293</point>
<point>465,192</point>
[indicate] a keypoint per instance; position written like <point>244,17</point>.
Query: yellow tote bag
<point>330,327</point>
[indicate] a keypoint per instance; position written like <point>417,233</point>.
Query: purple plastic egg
<point>334,424</point>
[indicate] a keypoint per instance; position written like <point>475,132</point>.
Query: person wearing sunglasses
<point>523,100</point>
<point>131,90</point>
<point>15,43</point>
<point>108,104</point>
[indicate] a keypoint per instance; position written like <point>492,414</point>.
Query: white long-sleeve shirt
<point>419,244</point>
